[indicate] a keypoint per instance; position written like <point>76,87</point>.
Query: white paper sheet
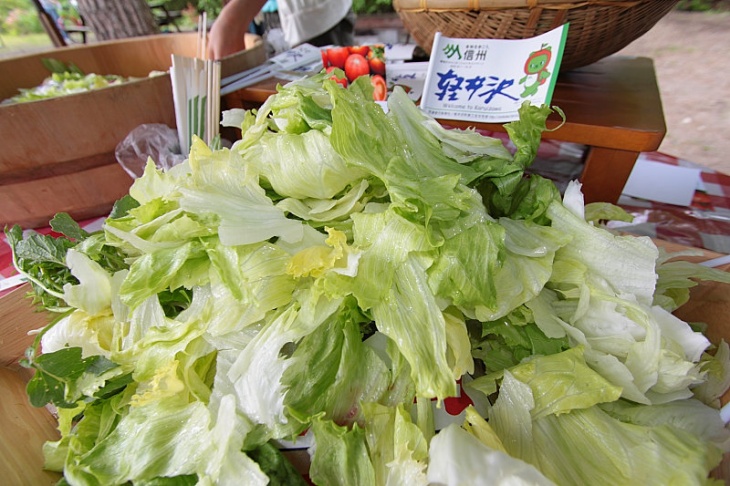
<point>664,183</point>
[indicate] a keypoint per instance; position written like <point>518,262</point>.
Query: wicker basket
<point>597,29</point>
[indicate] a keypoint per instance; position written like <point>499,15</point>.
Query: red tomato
<point>337,56</point>
<point>377,65</point>
<point>362,50</point>
<point>325,60</point>
<point>342,81</point>
<point>356,66</point>
<point>380,89</point>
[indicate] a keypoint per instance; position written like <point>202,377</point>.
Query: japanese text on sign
<point>489,79</point>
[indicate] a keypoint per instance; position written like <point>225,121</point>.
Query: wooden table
<point>612,106</point>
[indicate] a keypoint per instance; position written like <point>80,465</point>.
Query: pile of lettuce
<point>337,272</point>
<point>65,79</point>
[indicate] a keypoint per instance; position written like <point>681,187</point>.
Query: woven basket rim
<point>599,27</point>
<point>478,5</point>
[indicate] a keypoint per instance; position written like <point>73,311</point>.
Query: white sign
<point>487,80</point>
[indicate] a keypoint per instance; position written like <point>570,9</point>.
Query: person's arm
<point>229,29</point>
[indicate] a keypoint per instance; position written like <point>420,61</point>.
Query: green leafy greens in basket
<point>65,79</point>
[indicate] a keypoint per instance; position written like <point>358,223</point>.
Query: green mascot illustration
<point>536,65</point>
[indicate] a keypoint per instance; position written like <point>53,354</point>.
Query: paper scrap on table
<point>663,183</point>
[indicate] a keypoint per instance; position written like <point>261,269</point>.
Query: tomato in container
<point>337,56</point>
<point>362,50</point>
<point>356,61</point>
<point>337,76</point>
<point>377,66</point>
<point>356,66</point>
<point>376,59</point>
<point>380,88</point>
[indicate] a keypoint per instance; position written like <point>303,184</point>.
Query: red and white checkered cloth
<point>8,274</point>
<point>705,223</point>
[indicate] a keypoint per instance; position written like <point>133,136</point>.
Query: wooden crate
<point>58,154</point>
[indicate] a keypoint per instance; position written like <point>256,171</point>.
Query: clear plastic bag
<point>155,140</point>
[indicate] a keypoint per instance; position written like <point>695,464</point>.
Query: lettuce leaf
<point>332,372</point>
<point>589,446</point>
<point>397,447</point>
<point>337,270</point>
<point>340,455</point>
<point>457,457</point>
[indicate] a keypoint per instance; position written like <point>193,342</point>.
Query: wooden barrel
<point>58,154</point>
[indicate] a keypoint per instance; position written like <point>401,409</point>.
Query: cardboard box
<point>58,154</point>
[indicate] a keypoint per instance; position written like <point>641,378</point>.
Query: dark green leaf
<point>43,257</point>
<point>43,249</point>
<point>272,462</point>
<point>58,370</point>
<point>59,67</point>
<point>122,206</point>
<point>13,235</point>
<point>43,260</point>
<point>505,344</point>
<point>64,224</point>
<point>114,386</point>
<point>188,480</point>
<point>540,344</point>
<point>43,389</point>
<point>173,302</point>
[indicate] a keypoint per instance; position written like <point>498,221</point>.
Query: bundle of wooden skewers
<point>196,84</point>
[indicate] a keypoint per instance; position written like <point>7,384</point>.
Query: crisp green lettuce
<point>93,334</point>
<point>223,187</point>
<point>322,211</point>
<point>457,458</point>
<point>587,445</point>
<point>169,438</point>
<point>341,455</point>
<point>332,372</point>
<point>716,368</point>
<point>338,270</point>
<point>563,382</point>
<point>623,265</point>
<point>316,170</point>
<point>392,284</point>
<point>675,278</point>
<point>397,447</point>
<point>64,83</point>
<point>246,283</point>
<point>690,416</point>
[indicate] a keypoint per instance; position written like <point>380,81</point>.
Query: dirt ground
<point>689,53</point>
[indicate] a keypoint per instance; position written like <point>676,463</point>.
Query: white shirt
<point>304,19</point>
